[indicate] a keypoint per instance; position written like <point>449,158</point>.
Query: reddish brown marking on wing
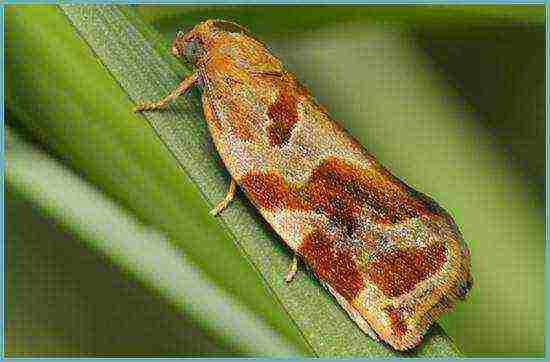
<point>398,325</point>
<point>240,124</point>
<point>412,265</point>
<point>283,115</point>
<point>270,192</point>
<point>339,191</point>
<point>334,192</point>
<point>334,266</point>
<point>344,189</point>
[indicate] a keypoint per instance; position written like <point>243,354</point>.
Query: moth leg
<point>179,90</point>
<point>226,200</point>
<point>292,269</point>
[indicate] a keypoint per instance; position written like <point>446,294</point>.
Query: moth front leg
<point>179,90</point>
<point>226,200</point>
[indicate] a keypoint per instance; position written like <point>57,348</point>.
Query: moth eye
<point>193,49</point>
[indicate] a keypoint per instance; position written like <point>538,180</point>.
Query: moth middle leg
<point>175,93</point>
<point>226,200</point>
<point>292,270</point>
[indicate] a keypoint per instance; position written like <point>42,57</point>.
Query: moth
<point>390,255</point>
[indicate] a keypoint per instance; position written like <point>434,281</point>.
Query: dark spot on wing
<point>399,271</point>
<point>334,266</point>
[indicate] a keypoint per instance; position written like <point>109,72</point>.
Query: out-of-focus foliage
<point>450,98</point>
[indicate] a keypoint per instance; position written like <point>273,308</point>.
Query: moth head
<point>193,45</point>
<point>188,45</point>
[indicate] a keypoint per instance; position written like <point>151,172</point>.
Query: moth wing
<point>391,257</point>
<point>353,313</point>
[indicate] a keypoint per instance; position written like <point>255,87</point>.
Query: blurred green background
<point>109,247</point>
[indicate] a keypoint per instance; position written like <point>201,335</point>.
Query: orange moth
<point>390,255</point>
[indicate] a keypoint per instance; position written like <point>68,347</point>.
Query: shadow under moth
<point>390,255</point>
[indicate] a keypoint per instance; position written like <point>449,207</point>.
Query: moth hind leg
<point>226,200</point>
<point>292,270</point>
<point>175,93</point>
